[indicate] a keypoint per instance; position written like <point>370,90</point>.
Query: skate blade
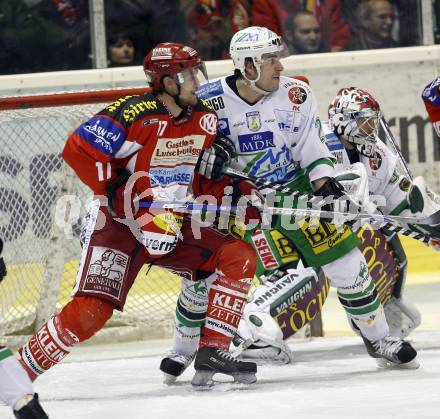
<point>205,379</point>
<point>169,379</point>
<point>387,364</point>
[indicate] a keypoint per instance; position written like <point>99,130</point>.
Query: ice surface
<point>331,378</point>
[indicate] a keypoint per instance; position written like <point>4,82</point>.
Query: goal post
<point>41,207</point>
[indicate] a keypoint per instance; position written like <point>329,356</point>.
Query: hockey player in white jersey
<point>16,388</point>
<point>273,122</point>
<point>366,167</point>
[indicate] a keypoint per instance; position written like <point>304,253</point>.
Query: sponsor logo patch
<point>168,221</point>
<point>165,176</point>
<point>264,251</point>
<point>150,122</point>
<point>223,126</point>
<point>208,123</point>
<point>250,143</point>
<point>107,271</point>
<point>137,108</point>
<point>102,134</point>
<point>216,103</point>
<point>288,121</point>
<point>333,143</point>
<point>173,151</point>
<point>253,120</point>
<point>284,246</point>
<point>375,161</point>
<point>208,90</point>
<point>297,95</point>
<point>158,244</point>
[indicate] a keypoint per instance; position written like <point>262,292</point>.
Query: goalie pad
<point>402,316</point>
<point>277,310</point>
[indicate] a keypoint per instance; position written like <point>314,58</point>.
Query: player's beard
<point>188,98</point>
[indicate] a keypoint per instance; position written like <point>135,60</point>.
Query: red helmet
<point>355,114</point>
<point>171,59</point>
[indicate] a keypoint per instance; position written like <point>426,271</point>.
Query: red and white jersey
<point>137,132</point>
<point>431,98</point>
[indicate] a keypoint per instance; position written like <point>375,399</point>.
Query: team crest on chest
<point>253,120</point>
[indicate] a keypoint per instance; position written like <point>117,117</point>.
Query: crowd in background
<point>51,35</point>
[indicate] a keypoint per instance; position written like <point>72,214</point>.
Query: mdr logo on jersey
<point>250,143</point>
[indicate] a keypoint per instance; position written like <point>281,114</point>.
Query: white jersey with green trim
<point>381,164</point>
<point>276,138</point>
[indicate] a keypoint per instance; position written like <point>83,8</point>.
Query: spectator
<point>16,32</point>
<point>207,29</point>
<point>121,50</point>
<point>375,19</point>
<point>335,32</point>
<point>149,22</point>
<point>63,33</point>
<point>303,33</point>
<point>213,22</point>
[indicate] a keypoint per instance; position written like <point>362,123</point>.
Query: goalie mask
<point>259,45</point>
<point>180,62</point>
<point>354,114</point>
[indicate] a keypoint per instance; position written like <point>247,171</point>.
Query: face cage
<point>367,127</point>
<point>192,74</point>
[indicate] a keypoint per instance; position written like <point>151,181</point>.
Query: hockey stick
<point>389,225</point>
<point>300,213</point>
<point>392,141</point>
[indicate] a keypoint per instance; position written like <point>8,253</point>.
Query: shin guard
<point>227,298</point>
<point>46,348</point>
<point>79,320</point>
<point>190,316</point>
<point>358,295</point>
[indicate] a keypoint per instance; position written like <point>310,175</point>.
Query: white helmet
<point>354,113</point>
<point>254,42</point>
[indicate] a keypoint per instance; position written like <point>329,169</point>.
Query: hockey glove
<point>331,188</point>
<point>215,160</point>
<point>113,190</point>
<point>248,200</point>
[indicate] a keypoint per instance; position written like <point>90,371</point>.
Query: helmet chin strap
<point>252,83</point>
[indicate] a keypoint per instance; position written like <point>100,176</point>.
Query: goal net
<point>41,207</point>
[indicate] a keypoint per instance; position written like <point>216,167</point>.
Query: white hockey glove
<point>215,160</point>
<point>354,179</point>
<point>424,202</point>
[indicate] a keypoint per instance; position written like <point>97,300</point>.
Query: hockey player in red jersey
<point>167,140</point>
<point>431,99</point>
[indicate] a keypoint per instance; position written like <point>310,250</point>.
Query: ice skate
<point>173,366</point>
<point>29,408</point>
<point>392,352</point>
<point>210,361</point>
